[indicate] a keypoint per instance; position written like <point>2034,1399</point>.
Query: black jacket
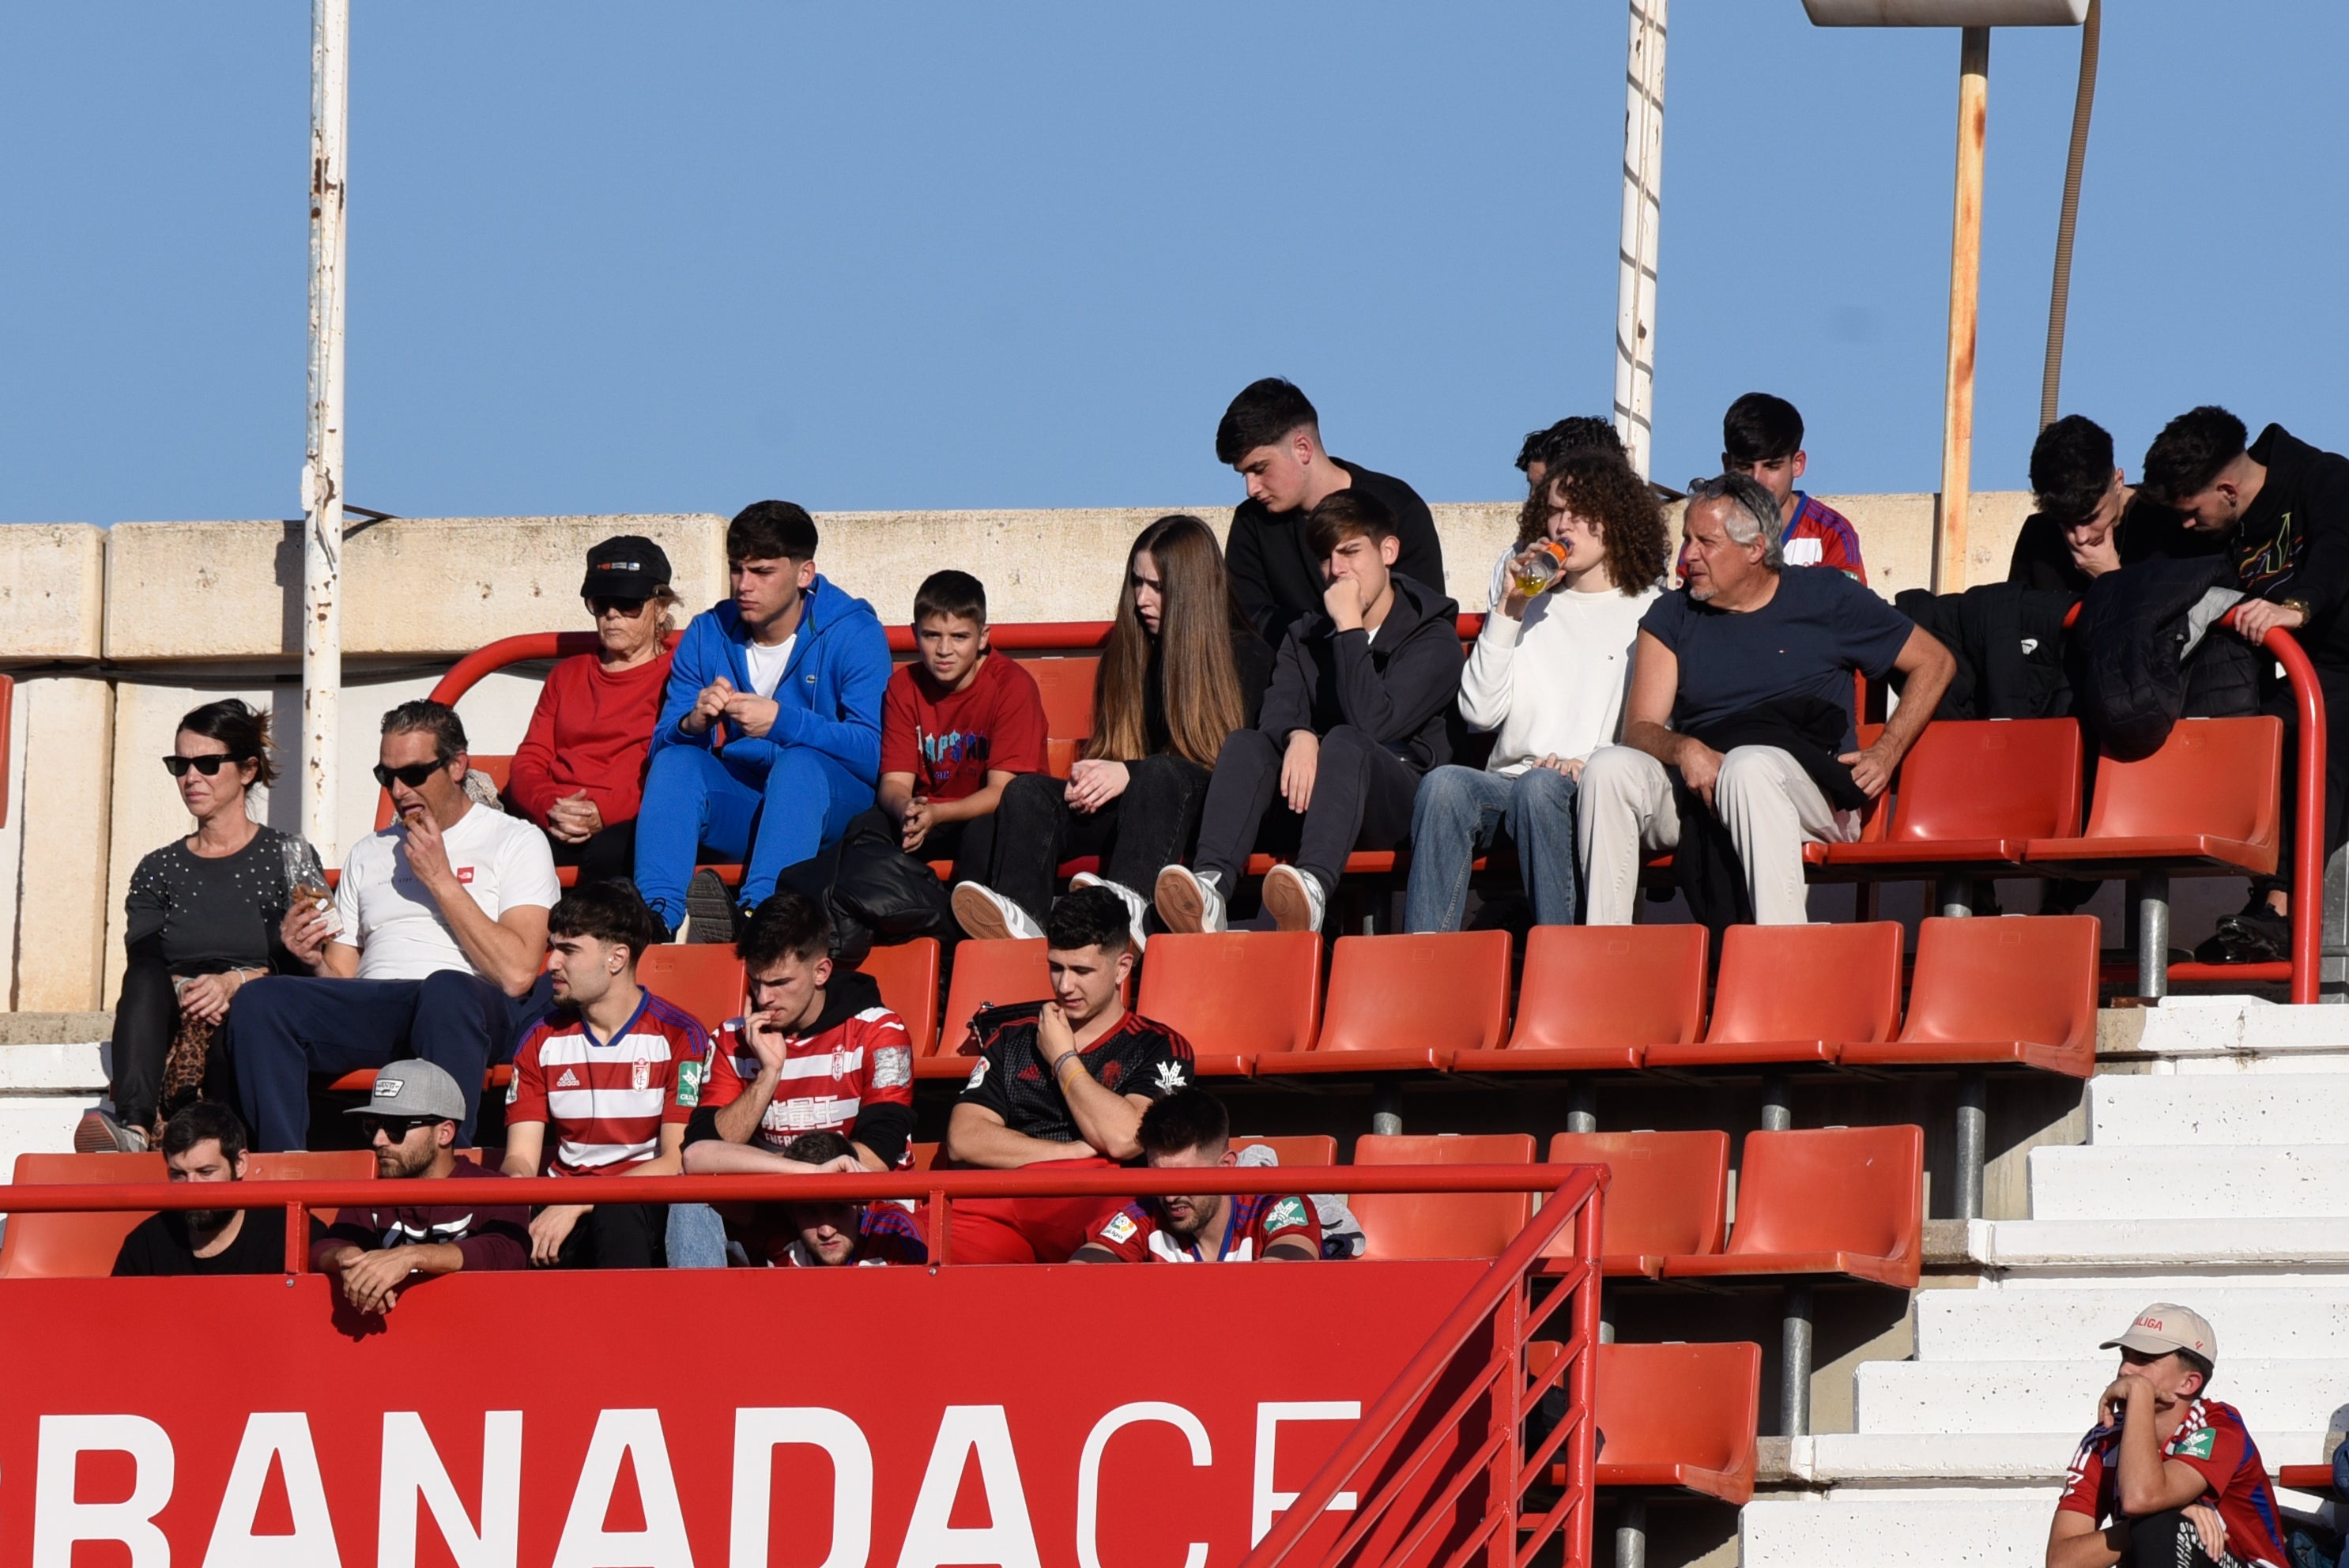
<point>1276,576</point>
<point>2148,531</point>
<point>2009,641</point>
<point>1398,688</point>
<point>2294,541</point>
<point>2137,678</point>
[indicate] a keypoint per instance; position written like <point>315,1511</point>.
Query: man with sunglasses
<point>375,1255</point>
<point>432,947</point>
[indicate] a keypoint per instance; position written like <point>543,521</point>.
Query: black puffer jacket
<point>2009,644</point>
<point>2140,674</point>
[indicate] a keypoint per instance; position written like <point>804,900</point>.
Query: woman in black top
<point>1183,669</point>
<point>203,914</point>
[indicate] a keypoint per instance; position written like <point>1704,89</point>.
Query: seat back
<point>53,1246</point>
<point>1246,992</point>
<point>908,973</point>
<point>1668,1195</point>
<point>1858,1189</point>
<point>704,978</point>
<point>1441,1225</point>
<point>1446,991</point>
<point>1611,985</point>
<point>2025,977</point>
<point>926,1155</point>
<point>991,973</point>
<point>1838,982</point>
<point>1300,1149</point>
<point>1665,1406</point>
<point>314,1165</point>
<point>1989,779</point>
<point>1067,687</point>
<point>2218,776</point>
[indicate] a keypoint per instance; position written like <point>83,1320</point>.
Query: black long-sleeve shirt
<point>1275,577</point>
<point>204,915</point>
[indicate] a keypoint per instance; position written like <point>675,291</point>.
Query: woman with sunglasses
<point>580,771</point>
<point>202,919</point>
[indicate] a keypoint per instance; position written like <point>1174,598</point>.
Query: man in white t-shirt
<point>1548,673</point>
<point>433,948</point>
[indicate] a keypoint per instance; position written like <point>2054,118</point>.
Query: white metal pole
<point>1635,289</point>
<point>322,472</point>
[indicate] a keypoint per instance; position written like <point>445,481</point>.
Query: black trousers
<point>2166,1540</point>
<point>617,1236</point>
<point>144,1022</point>
<point>1149,824</point>
<point>609,855</point>
<point>1362,801</point>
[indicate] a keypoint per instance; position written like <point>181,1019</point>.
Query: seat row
<point>48,1246</point>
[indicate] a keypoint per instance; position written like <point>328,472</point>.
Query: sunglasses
<point>632,608</point>
<point>395,1128</point>
<point>178,765</point>
<point>413,775</point>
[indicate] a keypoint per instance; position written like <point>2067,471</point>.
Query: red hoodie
<point>592,731</point>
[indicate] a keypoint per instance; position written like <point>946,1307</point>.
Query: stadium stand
<point>1442,1226</point>
<point>1407,1002</point>
<point>1653,994</point>
<point>1970,793</point>
<point>1668,1196</point>
<point>985,974</point>
<point>1237,996</point>
<point>908,973</point>
<point>705,980</point>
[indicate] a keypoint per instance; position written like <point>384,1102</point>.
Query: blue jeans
<point>694,801</point>
<point>696,1238</point>
<point>1458,813</point>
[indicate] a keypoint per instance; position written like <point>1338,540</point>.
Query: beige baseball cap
<point>2166,1326</point>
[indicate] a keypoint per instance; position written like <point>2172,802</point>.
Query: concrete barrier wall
<point>113,633</point>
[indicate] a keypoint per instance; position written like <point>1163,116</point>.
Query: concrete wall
<point>113,633</point>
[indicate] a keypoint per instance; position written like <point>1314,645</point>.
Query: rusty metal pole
<point>1635,286</point>
<point>1965,298</point>
<point>322,471</point>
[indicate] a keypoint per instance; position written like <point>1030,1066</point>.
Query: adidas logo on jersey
<point>568,1081</point>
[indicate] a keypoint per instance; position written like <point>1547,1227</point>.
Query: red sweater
<point>591,732</point>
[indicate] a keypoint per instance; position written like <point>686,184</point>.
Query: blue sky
<point>633,258</point>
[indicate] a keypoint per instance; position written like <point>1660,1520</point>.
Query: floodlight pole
<point>1635,286</point>
<point>1965,297</point>
<point>322,471</point>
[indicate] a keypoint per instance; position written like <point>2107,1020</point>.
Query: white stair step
<point>2189,1027</point>
<point>1988,1529</point>
<point>2093,1182</point>
<point>1911,1458</point>
<point>2168,1109</point>
<point>2172,1247</point>
<point>2063,1324</point>
<point>2296,1394</point>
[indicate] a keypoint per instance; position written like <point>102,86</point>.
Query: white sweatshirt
<point>1552,684</point>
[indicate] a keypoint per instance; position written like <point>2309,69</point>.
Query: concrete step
<point>1968,1459</point>
<point>2077,1249</point>
<point>2093,1182</point>
<point>2166,1111</point>
<point>2066,1323</point>
<point>2185,1027</point>
<point>1986,1528</point>
<point>2295,1394</point>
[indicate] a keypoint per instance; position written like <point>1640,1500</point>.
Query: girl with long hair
<point>1183,670</point>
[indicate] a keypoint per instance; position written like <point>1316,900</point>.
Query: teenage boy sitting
<point>613,1075</point>
<point>769,736</point>
<point>1357,713</point>
<point>956,725</point>
<point>1762,437</point>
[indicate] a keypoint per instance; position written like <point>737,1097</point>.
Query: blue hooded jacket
<point>829,698</point>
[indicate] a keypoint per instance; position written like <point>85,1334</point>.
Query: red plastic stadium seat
<point>703,978</point>
<point>1441,1225</point>
<point>1797,993</point>
<point>926,1155</point>
<point>1302,1148</point>
<point>2305,1477</point>
<point>1597,997</point>
<point>1397,1003</point>
<point>908,973</point>
<point>1235,995</point>
<point>1828,1201</point>
<point>2206,802</point>
<point>1971,793</point>
<point>362,1079</point>
<point>1669,1197</point>
<point>52,1246</point>
<point>2019,990</point>
<point>1680,1416</point>
<point>1067,687</point>
<point>314,1165</point>
<point>986,974</point>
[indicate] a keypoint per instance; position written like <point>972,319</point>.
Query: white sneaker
<point>1135,907</point>
<point>1189,902</point>
<point>1294,899</point>
<point>987,915</point>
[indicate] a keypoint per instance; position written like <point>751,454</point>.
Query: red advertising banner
<point>1066,1417</point>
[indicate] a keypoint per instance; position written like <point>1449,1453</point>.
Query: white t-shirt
<point>503,861</point>
<point>1554,683</point>
<point>767,664</point>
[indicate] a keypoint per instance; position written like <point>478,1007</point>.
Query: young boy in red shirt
<point>956,724</point>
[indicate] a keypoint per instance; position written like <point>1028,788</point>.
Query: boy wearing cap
<point>2166,1476</point>
<point>373,1254</point>
<point>579,772</point>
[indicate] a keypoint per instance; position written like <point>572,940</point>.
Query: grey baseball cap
<point>414,1088</point>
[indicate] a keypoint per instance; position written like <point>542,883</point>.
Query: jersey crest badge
<point>642,1075</point>
<point>977,1075</point>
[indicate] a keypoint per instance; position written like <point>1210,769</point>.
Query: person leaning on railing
<point>579,772</point>
<point>201,920</point>
<point>204,1142</point>
<point>1190,1130</point>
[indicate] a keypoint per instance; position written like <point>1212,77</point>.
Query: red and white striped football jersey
<point>605,1101</point>
<point>830,1075</point>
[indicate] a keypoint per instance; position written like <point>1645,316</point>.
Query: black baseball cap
<point>629,566</point>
